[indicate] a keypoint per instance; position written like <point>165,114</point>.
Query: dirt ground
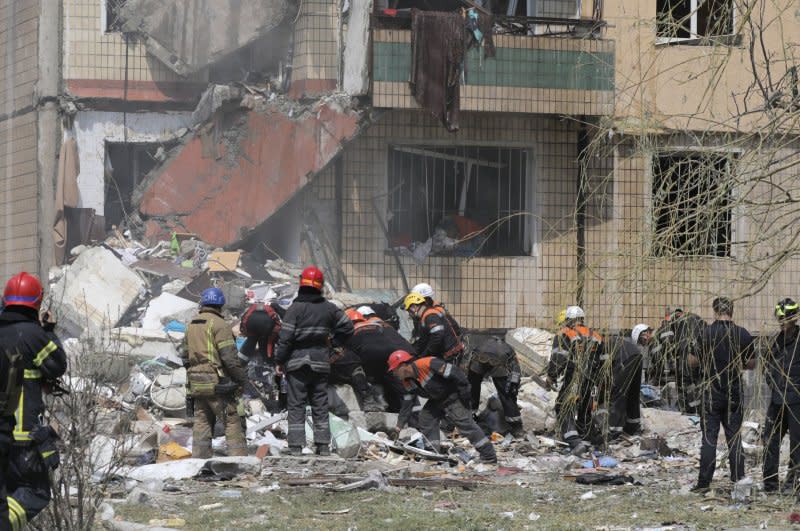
<point>505,498</point>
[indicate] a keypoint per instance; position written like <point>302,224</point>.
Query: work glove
<point>550,385</point>
<point>48,321</point>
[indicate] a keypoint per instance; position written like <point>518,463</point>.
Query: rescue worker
<point>448,393</point>
<point>626,381</point>
<point>781,364</point>
<point>215,376</point>
<point>577,355</point>
<point>681,341</point>
<point>373,341</point>
<point>492,357</point>
<point>347,368</point>
<point>33,453</point>
<point>261,325</point>
<point>439,335</point>
<point>726,349</point>
<point>311,327</point>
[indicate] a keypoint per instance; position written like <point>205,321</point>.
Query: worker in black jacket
<point>491,357</point>
<point>782,369</point>
<point>311,328</point>
<point>624,403</point>
<point>448,393</point>
<point>439,334</point>
<point>373,341</point>
<point>726,349</point>
<point>33,453</point>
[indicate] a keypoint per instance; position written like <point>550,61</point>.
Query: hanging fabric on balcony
<point>439,42</point>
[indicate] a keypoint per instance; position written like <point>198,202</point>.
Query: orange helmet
<point>23,289</point>
<point>354,315</point>
<point>397,358</point>
<point>312,277</point>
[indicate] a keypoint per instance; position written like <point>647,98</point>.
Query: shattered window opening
<point>679,21</point>
<point>127,164</point>
<point>460,201</point>
<point>113,22</point>
<point>692,198</point>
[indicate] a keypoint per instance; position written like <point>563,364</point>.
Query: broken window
<point>112,20</point>
<point>126,166</point>
<point>692,198</point>
<point>683,20</point>
<point>460,201</point>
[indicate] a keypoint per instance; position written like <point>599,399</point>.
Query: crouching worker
<point>33,453</point>
<point>447,389</point>
<point>311,328</point>
<point>214,375</point>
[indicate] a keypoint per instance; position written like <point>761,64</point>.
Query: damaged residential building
<point>518,156</point>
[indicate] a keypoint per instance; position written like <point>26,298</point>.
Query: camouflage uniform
<point>209,353</point>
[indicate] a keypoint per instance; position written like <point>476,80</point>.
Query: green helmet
<point>786,309</point>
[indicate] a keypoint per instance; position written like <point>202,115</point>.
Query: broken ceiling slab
<point>189,35</point>
<point>223,183</point>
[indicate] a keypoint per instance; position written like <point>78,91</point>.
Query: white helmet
<point>574,312</point>
<point>423,289</point>
<point>365,310</point>
<point>638,330</point>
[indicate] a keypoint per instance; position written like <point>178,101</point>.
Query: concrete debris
<point>532,346</point>
<point>189,35</point>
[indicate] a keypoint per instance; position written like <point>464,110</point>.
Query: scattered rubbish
<point>172,451</point>
<point>601,462</point>
<point>588,496</point>
<point>340,511</point>
<point>229,493</point>
<point>211,506</point>
<point>167,522</point>
<point>742,490</point>
<point>534,516</point>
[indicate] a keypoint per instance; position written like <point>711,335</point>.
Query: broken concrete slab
<point>189,35</point>
<point>532,346</point>
<point>191,467</point>
<point>146,344</point>
<point>165,308</point>
<point>94,293</point>
<point>257,163</point>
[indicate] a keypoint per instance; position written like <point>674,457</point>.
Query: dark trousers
<point>507,399</point>
<point>347,370</point>
<point>729,415</point>
<point>686,379</point>
<point>27,485</point>
<point>5,451</point>
<point>461,417</point>
<point>255,344</point>
<point>625,413</point>
<point>306,386</point>
<point>574,414</point>
<point>781,418</point>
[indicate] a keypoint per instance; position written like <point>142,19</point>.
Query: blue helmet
<point>212,297</point>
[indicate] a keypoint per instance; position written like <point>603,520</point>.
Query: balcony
<point>556,73</point>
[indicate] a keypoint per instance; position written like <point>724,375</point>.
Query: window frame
<point>732,155</point>
<point>730,39</point>
<point>531,237</point>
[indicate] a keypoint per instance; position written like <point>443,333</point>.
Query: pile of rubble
<point>129,304</point>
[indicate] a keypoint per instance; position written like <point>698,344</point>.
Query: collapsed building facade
<point>548,174</point>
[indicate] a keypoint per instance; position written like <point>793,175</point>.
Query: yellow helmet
<point>411,299</point>
<point>561,317</point>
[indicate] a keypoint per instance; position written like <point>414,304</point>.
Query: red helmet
<point>354,315</point>
<point>397,358</point>
<point>23,290</point>
<point>312,277</point>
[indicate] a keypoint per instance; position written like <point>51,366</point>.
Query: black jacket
<point>373,343</point>
<point>311,327</point>
<point>439,333</point>
<point>725,350</point>
<point>43,359</point>
<point>782,367</point>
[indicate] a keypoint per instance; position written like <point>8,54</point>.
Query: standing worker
<point>214,375</point>
<point>577,354</point>
<point>782,368</point>
<point>448,393</point>
<point>726,349</point>
<point>626,382</point>
<point>34,453</point>
<point>311,328</point>
<point>439,335</point>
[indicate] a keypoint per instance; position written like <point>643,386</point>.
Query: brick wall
<point>95,61</point>
<point>315,63</point>
<point>19,27</point>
